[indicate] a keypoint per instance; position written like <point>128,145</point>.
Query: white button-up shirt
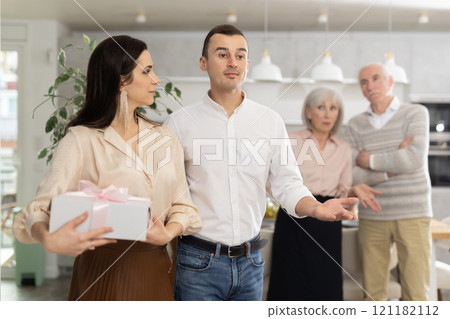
<point>228,161</point>
<point>378,121</point>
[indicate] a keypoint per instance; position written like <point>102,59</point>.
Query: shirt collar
<point>111,135</point>
<point>216,106</point>
<point>392,108</point>
<point>309,134</point>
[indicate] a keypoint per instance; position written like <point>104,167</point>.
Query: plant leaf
<point>169,111</point>
<point>79,82</point>
<point>62,57</point>
<point>153,106</point>
<point>77,88</point>
<point>63,113</point>
<point>78,100</point>
<point>142,110</point>
<point>63,77</point>
<point>49,158</point>
<point>92,45</point>
<point>67,46</point>
<point>86,39</point>
<point>177,92</point>
<point>168,87</point>
<point>51,124</point>
<point>70,71</point>
<point>43,153</point>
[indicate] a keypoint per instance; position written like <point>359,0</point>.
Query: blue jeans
<point>202,275</point>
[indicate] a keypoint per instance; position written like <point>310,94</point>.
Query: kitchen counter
<point>439,230</point>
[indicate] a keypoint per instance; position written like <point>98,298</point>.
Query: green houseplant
<point>66,106</point>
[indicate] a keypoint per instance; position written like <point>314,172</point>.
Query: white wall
<point>423,55</point>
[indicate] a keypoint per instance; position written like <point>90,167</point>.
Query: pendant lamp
<point>397,72</point>
<point>266,70</point>
<point>326,70</point>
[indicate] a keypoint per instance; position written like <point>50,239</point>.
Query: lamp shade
<point>265,70</point>
<point>327,71</point>
<point>397,72</point>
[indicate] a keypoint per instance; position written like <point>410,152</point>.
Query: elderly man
<point>390,149</point>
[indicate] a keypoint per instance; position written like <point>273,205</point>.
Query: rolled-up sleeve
<point>183,210</point>
<point>63,175</point>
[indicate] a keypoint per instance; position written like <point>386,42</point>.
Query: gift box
<point>109,207</point>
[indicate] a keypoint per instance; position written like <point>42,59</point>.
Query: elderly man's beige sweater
<point>407,194</point>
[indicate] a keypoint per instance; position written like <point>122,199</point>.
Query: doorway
<point>8,156</point>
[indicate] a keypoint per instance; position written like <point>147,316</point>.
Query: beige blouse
<point>104,158</point>
<point>326,173</point>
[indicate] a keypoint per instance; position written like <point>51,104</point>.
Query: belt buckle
<point>229,252</point>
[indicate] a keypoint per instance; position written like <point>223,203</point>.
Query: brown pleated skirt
<point>118,272</point>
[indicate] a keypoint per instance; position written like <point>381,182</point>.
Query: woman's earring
<point>123,112</point>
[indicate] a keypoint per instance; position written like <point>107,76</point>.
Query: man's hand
<point>331,210</point>
<point>363,159</point>
<point>405,143</point>
<point>366,195</point>
<point>160,234</point>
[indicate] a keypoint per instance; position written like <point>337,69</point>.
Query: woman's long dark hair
<point>111,59</point>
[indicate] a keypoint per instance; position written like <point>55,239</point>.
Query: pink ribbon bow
<point>103,197</point>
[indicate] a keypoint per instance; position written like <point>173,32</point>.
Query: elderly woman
<point>306,255</point>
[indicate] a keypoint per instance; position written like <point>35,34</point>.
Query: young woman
<point>306,252</point>
<point>109,143</point>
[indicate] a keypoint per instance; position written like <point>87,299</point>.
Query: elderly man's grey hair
<point>383,67</point>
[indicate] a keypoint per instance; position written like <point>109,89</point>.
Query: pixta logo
<point>152,151</point>
<point>259,152</point>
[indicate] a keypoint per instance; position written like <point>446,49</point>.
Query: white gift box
<point>128,219</point>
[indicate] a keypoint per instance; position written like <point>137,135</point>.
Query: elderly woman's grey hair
<point>317,97</point>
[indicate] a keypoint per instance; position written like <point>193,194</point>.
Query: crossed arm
<point>363,158</point>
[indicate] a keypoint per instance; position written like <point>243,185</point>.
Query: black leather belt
<point>230,251</point>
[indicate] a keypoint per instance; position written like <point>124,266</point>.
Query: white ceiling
<point>284,15</point>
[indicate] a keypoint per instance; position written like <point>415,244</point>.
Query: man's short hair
<point>226,29</point>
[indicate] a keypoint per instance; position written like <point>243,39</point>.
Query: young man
<point>232,146</point>
<point>390,149</point>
